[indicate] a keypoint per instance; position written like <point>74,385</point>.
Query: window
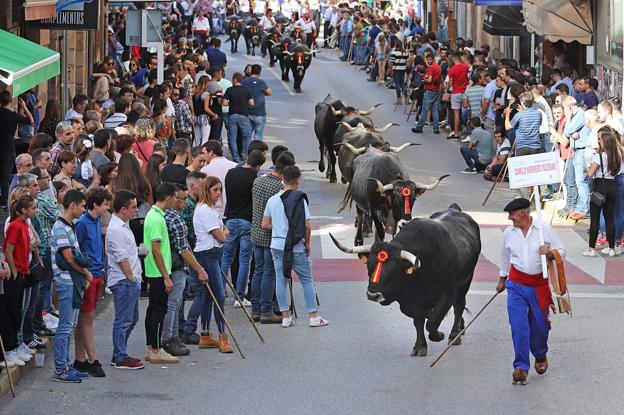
<point>608,33</point>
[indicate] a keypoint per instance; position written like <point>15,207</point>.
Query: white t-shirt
<point>279,222</point>
<point>244,6</point>
<point>205,220</point>
<point>265,23</point>
<point>605,165</point>
<point>201,25</point>
<point>259,6</point>
<point>306,27</point>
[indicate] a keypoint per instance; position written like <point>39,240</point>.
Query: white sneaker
<point>108,291</point>
<point>465,140</point>
<point>287,322</point>
<point>23,356</point>
<point>246,303</point>
<point>590,253</point>
<point>318,321</point>
<point>7,363</point>
<point>13,357</point>
<point>618,250</point>
<point>50,321</point>
<point>611,253</point>
<point>25,349</point>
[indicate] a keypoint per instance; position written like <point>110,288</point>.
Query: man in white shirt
<point>528,293</point>
<point>79,105</point>
<point>201,27</point>
<point>217,166</point>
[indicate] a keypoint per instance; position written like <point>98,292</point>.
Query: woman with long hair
<point>51,117</point>
<point>130,177</point>
<point>68,160</point>
<point>203,113</point>
<point>398,62</point>
<point>380,56</point>
<point>102,83</point>
<point>154,168</point>
<point>605,167</point>
<point>163,127</point>
<point>144,133</point>
<point>211,233</point>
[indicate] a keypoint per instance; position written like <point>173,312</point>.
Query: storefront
<point>608,47</point>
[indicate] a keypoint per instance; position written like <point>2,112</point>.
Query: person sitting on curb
<point>503,148</point>
<point>478,151</point>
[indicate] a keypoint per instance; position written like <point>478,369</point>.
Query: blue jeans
<point>240,233</point>
<point>126,301</point>
<point>302,268</point>
<point>170,326</point>
<point>570,184</point>
<point>471,157</point>
<point>257,125</point>
<point>399,83</point>
<point>209,260</point>
<point>431,102</point>
<point>236,121</point>
<point>195,310</point>
<point>359,53</point>
<point>529,325</point>
<point>582,204</point>
<point>45,289</point>
<point>263,281</point>
<point>67,321</point>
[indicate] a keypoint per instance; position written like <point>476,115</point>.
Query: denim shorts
<point>456,101</point>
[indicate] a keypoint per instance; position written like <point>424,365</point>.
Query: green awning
<point>24,64</point>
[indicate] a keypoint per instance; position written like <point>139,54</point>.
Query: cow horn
<point>386,127</point>
<point>356,151</point>
<point>411,258</point>
<point>371,109</point>
<point>348,126</point>
<point>339,112</point>
<point>380,186</point>
<point>288,53</point>
<point>308,53</point>
<point>364,249</point>
<point>432,185</point>
<point>402,147</point>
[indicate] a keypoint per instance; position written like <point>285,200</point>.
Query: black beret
<point>517,204</point>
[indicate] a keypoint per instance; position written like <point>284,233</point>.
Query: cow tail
<point>347,201</point>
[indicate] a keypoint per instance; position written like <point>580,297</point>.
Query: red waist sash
<point>537,281</point>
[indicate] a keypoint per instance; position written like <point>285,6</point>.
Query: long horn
<point>411,258</point>
<point>402,147</point>
<point>386,127</point>
<point>432,185</point>
<point>381,187</point>
<point>308,53</point>
<point>339,112</point>
<point>364,249</point>
<point>288,53</point>
<point>371,109</point>
<point>356,151</point>
<point>348,126</point>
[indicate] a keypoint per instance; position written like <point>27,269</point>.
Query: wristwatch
<point>132,278</point>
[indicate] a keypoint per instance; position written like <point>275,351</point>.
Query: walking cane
<point>214,299</point>
<point>502,171</point>
<point>242,306</point>
<point>463,330</point>
<point>6,366</point>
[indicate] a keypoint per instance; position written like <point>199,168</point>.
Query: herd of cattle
<point>285,43</point>
<point>428,265</point>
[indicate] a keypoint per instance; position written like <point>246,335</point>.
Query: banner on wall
<point>72,15</point>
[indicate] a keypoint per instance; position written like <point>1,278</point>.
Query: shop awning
<point>504,21</point>
<point>559,19</point>
<point>24,64</point>
<point>39,9</point>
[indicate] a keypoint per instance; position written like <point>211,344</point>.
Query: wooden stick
<point>559,191</point>
<point>214,299</point>
<point>6,366</point>
<point>463,330</point>
<point>236,296</point>
<point>504,172</point>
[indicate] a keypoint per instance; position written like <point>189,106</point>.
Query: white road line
<point>572,294</point>
<point>279,78</point>
<point>491,242</point>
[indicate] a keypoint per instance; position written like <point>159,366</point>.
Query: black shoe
<point>95,370</point>
<point>270,319</point>
<point>417,130</point>
<point>190,338</point>
<point>82,366</point>
<point>174,349</point>
<point>36,344</point>
<point>371,80</point>
<point>436,131</point>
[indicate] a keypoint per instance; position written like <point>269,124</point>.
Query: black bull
<point>233,28</point>
<point>426,268</point>
<point>300,59</point>
<point>253,37</point>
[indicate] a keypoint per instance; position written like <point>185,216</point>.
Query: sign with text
<point>534,170</point>
<point>72,15</point>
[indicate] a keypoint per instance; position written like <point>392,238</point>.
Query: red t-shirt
<point>17,234</point>
<point>459,75</point>
<point>436,74</point>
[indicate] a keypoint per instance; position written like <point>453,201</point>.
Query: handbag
<point>37,270</point>
<point>596,197</point>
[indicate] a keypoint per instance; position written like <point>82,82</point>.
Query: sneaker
<point>465,140</point>
<point>270,319</point>
<point>66,376</point>
<point>590,253</point>
<point>417,130</point>
<point>7,363</point>
<point>81,366</point>
<point>436,131</point>
<point>26,357</point>
<point>174,349</point>
<point>605,251</point>
<point>12,357</point>
<point>469,171</point>
<point>246,303</point>
<point>601,241</point>
<point>95,369</point>
<point>612,253</point>
<point>318,321</point>
<point>287,322</point>
<point>50,321</point>
<point>79,373</point>
<point>45,332</point>
<point>452,136</point>
<point>36,344</point>
<point>618,250</point>
<point>190,338</point>
<point>23,348</point>
<point>129,364</point>
<point>162,357</point>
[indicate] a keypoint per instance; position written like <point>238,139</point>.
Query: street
<point>360,363</point>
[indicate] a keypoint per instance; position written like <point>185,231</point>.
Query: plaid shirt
<point>183,117</point>
<point>187,215</point>
<point>55,151</point>
<point>178,232</point>
<point>263,188</point>
<point>47,213</point>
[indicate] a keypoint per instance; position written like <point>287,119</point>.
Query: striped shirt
<point>178,233</point>
<point>47,213</point>
<point>63,237</point>
<point>527,125</point>
<point>398,59</point>
<point>474,96</point>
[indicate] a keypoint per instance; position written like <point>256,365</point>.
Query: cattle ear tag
<point>410,271</point>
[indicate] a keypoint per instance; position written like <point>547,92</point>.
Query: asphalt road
<point>360,363</point>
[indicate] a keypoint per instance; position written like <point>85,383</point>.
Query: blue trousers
<point>431,102</point>
<point>582,184</point>
<point>529,325</point>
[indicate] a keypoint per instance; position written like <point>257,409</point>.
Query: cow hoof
<point>358,242</point>
<point>298,91</point>
<point>419,352</point>
<point>333,179</point>
<point>367,234</point>
<point>436,336</point>
<point>343,180</point>
<point>457,342</point>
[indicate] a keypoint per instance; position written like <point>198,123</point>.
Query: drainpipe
<point>64,69</point>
